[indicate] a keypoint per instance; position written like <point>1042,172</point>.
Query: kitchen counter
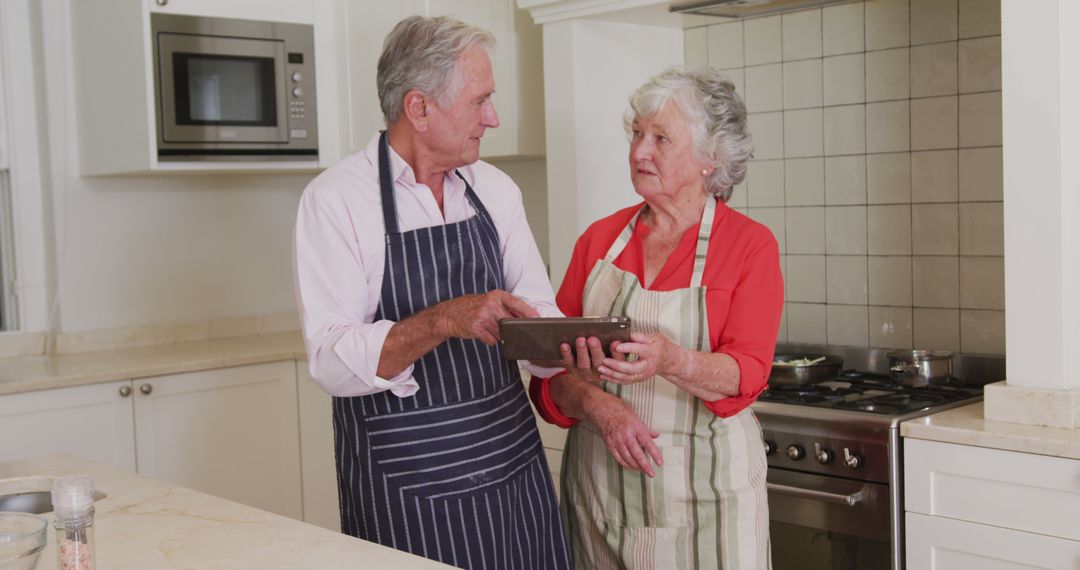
<point>144,523</point>
<point>966,426</point>
<point>24,374</point>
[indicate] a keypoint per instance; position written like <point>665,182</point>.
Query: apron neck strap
<point>386,186</point>
<point>700,251</point>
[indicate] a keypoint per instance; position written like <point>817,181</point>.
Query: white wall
<point>531,176</point>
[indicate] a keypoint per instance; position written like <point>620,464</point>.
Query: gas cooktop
<point>871,393</point>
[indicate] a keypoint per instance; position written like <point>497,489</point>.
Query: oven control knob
<point>770,447</point>
<point>824,455</point>
<point>852,459</point>
<point>795,452</point>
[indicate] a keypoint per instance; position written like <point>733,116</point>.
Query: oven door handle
<point>849,500</point>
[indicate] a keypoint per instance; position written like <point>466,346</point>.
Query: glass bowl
<point>22,537</point>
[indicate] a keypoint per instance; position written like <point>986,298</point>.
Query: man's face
<point>455,132</point>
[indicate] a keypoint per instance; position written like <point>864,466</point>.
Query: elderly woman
<point>701,283</point>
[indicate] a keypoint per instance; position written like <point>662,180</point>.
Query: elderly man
<point>407,255</point>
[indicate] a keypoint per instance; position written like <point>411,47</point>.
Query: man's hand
<point>477,316</point>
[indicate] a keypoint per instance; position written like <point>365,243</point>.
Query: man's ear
<point>416,110</point>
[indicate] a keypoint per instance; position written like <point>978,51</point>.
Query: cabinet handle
<point>146,389</point>
<point>125,391</point>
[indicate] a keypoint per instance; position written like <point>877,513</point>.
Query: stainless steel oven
<point>230,89</point>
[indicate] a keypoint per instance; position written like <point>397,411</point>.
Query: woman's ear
<point>416,110</point>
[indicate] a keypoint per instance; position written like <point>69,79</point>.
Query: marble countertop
<point>967,426</point>
<point>143,523</point>
<point>24,374</point>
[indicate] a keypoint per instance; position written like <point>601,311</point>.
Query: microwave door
<point>221,90</point>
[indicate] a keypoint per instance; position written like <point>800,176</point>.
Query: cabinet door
<point>939,543</point>
<point>317,452</point>
<point>93,422</point>
<point>229,432</point>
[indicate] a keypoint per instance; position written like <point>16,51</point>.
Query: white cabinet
<point>94,422</point>
<point>974,507</point>
<point>517,61</point>
<point>229,432</point>
<point>317,452</point>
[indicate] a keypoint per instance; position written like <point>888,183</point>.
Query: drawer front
<point>1022,491</point>
<point>937,543</point>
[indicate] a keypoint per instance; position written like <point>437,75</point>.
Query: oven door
<point>819,522</point>
<point>216,89</point>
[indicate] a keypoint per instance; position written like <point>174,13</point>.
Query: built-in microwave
<point>228,89</point>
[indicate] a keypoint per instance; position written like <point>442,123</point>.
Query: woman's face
<point>662,160</point>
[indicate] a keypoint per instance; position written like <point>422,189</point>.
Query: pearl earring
<point>704,171</point>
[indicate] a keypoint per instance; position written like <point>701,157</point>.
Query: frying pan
<point>796,375</point>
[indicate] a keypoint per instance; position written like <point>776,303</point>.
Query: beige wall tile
<point>935,282</point>
<point>802,84</point>
<point>980,174</point>
<point>934,176</point>
<point>847,325</point>
<point>889,230</point>
<point>890,327</point>
<point>887,126</point>
<point>845,130</point>
<point>933,70</point>
<point>843,29</point>
<point>845,230</point>
<point>762,40</point>
<point>725,45</point>
<point>846,280</point>
<point>888,178</point>
<point>982,283</point>
<point>808,284</point>
<point>982,229</point>
<point>845,180</point>
<point>936,329</point>
<point>764,88</point>
<point>801,34</point>
<point>980,18</point>
<point>806,230</point>
<point>738,196</point>
<point>844,79</point>
<point>803,133</point>
<point>980,64</point>
<point>773,218</point>
<point>737,77</point>
<point>980,119</point>
<point>888,75</point>
<point>806,323</point>
<point>886,24</point>
<point>933,21</point>
<point>982,332</point>
<point>934,229</point>
<point>765,183</point>
<point>933,123</point>
<point>890,280</point>
<point>768,131</point>
<point>781,334</point>
<point>696,47</point>
<point>804,181</point>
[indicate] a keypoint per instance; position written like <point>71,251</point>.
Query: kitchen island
<point>143,523</point>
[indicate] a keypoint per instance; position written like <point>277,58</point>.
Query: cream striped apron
<point>706,507</point>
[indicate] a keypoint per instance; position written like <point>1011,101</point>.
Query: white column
<point>1040,56</point>
<point>590,69</point>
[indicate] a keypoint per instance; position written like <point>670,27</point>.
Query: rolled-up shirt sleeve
<point>332,290</point>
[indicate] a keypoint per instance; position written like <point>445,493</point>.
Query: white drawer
<point>938,543</point>
<point>1022,491</point>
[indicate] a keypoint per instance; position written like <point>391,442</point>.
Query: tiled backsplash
<point>878,167</point>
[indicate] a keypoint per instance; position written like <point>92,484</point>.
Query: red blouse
<point>744,293</point>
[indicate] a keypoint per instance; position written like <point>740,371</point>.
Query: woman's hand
<point>625,435</point>
<point>584,357</point>
<point>655,354</point>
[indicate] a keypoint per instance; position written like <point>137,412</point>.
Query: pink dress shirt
<point>339,253</point>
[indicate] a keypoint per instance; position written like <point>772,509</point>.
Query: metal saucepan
<point>795,375</point>
<point>920,367</point>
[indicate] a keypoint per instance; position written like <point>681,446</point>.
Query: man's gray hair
<point>422,53</point>
<point>716,116</point>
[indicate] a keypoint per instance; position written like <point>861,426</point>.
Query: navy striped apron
<point>456,472</point>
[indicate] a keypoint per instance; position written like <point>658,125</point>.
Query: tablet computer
<point>539,338</point>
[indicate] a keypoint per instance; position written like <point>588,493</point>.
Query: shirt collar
<point>400,171</point>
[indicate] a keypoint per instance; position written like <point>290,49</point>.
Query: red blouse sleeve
<point>753,319</point>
